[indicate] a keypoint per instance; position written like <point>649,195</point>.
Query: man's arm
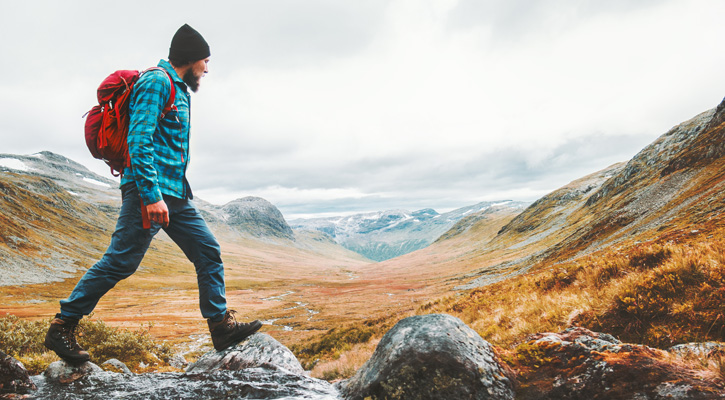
<point>150,96</point>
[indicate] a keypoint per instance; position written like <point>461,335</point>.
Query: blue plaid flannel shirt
<point>159,149</point>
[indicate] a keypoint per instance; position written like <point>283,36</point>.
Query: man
<point>156,180</point>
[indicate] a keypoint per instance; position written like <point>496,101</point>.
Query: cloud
<point>418,182</point>
<point>512,21</point>
<point>332,106</point>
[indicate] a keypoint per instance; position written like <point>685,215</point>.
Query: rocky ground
<point>423,357</point>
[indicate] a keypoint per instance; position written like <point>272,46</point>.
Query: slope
<point>635,250</point>
<point>56,218</point>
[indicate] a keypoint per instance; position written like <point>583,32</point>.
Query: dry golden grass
<point>346,364</point>
<point>655,294</point>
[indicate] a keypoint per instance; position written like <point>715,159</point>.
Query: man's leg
<point>190,232</point>
<point>128,246</point>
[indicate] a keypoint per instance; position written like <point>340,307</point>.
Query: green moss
<point>534,355</point>
<point>419,383</point>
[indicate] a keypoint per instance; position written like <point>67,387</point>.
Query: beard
<point>191,80</point>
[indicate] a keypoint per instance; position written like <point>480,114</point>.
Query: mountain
<point>670,192</point>
<point>384,235</point>
<point>249,215</point>
<point>48,202</point>
<point>671,186</point>
<point>54,212</point>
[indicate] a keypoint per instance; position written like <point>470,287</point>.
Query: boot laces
<point>69,336</point>
<point>232,319</point>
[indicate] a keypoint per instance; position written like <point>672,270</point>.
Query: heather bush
<point>649,257</point>
<point>24,339</point>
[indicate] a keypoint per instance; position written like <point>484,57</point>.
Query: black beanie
<point>188,45</point>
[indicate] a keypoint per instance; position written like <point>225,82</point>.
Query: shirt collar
<point>174,76</point>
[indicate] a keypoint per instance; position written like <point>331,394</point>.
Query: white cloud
<point>372,105</point>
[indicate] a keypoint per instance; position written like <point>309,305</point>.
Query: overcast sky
<point>333,107</point>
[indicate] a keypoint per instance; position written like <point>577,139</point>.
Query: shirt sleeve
<point>149,96</point>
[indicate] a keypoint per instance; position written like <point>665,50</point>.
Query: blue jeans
<point>129,244</point>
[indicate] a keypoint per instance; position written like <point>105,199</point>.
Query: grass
<point>339,352</point>
<point>24,339</point>
<point>654,294</point>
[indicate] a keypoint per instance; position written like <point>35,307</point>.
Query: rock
<point>431,357</point>
<point>63,372</point>
<point>178,361</point>
<point>258,350</point>
<point>580,364</point>
<point>114,365</point>
<point>592,341</point>
<point>252,383</point>
<point>258,368</point>
<point>705,350</point>
<point>14,378</point>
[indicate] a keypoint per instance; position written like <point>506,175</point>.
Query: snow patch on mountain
<point>14,163</point>
<point>382,235</point>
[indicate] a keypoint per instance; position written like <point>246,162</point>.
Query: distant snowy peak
<point>365,223</point>
<point>386,234</point>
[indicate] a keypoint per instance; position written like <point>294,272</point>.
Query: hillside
<point>56,218</point>
<point>671,187</point>
<point>635,250</point>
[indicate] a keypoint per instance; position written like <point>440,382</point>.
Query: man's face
<point>192,76</point>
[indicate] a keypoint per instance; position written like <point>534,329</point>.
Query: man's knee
<point>116,267</point>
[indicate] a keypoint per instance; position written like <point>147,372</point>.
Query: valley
<point>572,258</point>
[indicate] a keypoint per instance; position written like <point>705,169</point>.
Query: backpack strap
<point>170,106</point>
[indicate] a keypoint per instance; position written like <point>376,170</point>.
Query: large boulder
<point>259,350</point>
<point>14,378</point>
<point>431,357</point>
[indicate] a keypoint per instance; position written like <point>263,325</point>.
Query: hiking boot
<point>228,331</point>
<point>62,340</point>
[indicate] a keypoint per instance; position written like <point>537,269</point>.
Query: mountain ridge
<point>384,235</point>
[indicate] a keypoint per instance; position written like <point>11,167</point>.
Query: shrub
<point>650,257</point>
<point>131,347</point>
<point>600,275</point>
<point>676,297</point>
<point>19,337</point>
<point>24,339</point>
<point>558,278</point>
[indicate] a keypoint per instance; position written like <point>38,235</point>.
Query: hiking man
<point>156,179</point>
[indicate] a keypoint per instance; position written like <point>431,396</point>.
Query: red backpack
<point>107,123</point>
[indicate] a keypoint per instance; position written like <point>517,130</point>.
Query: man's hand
<point>159,212</point>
